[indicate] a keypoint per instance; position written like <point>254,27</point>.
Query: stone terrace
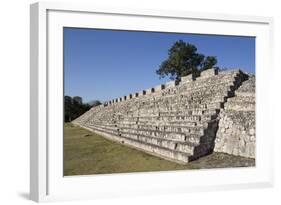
<point>236,134</point>
<point>174,121</point>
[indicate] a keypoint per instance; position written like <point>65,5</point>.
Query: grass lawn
<point>87,153</point>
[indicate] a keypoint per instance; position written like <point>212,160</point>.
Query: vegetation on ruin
<point>183,59</point>
<point>87,153</point>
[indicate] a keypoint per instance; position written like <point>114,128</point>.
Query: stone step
<point>166,128</point>
<point>155,121</point>
<point>179,151</point>
<point>186,112</point>
<point>190,92</point>
<point>179,101</point>
<point>213,79</point>
<point>241,99</point>
<point>192,139</point>
<point>172,150</point>
<point>153,132</point>
<point>192,88</point>
<point>150,122</point>
<point>188,115</point>
<point>208,83</point>
<point>176,132</point>
<point>172,115</point>
<point>189,105</point>
<point>210,94</point>
<point>245,94</point>
<point>196,116</point>
<point>178,156</point>
<point>212,110</point>
<point>165,123</point>
<point>241,106</point>
<point>165,142</point>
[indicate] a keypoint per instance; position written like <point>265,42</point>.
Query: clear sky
<point>106,64</point>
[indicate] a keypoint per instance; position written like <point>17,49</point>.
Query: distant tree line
<point>74,107</point>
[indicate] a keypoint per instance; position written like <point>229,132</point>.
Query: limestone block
<point>149,91</point>
<point>159,87</point>
<point>208,73</point>
<point>187,78</point>
<point>185,148</point>
<point>236,139</point>
<point>170,84</point>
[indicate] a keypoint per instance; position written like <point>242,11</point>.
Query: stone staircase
<point>236,133</point>
<point>174,121</point>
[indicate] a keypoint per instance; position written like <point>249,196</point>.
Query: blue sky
<point>106,64</point>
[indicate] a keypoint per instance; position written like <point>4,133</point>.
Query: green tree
<point>68,108</point>
<point>94,103</point>
<point>73,108</point>
<point>183,60</point>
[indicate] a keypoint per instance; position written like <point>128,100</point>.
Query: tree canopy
<point>94,103</point>
<point>73,107</point>
<point>183,59</point>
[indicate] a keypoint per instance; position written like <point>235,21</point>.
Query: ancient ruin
<point>183,121</point>
<point>236,133</point>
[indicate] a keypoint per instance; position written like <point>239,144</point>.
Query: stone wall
<point>176,121</point>
<point>236,133</point>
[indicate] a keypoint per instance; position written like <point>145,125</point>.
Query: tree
<point>94,103</point>
<point>67,108</point>
<point>73,108</point>
<point>183,60</point>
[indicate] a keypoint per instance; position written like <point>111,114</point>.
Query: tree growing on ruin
<point>183,59</point>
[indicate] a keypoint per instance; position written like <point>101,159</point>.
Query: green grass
<point>87,153</point>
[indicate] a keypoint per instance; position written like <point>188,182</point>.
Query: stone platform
<point>236,134</point>
<point>175,121</point>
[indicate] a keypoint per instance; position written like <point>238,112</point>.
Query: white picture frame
<point>47,182</point>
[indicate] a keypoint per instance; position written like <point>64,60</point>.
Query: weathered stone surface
<point>159,88</point>
<point>239,111</point>
<point>188,78</point>
<point>135,95</point>
<point>170,84</point>
<point>149,91</point>
<point>179,122</point>
<point>208,73</point>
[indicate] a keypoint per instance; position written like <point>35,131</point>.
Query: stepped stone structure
<point>236,134</point>
<point>182,121</point>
